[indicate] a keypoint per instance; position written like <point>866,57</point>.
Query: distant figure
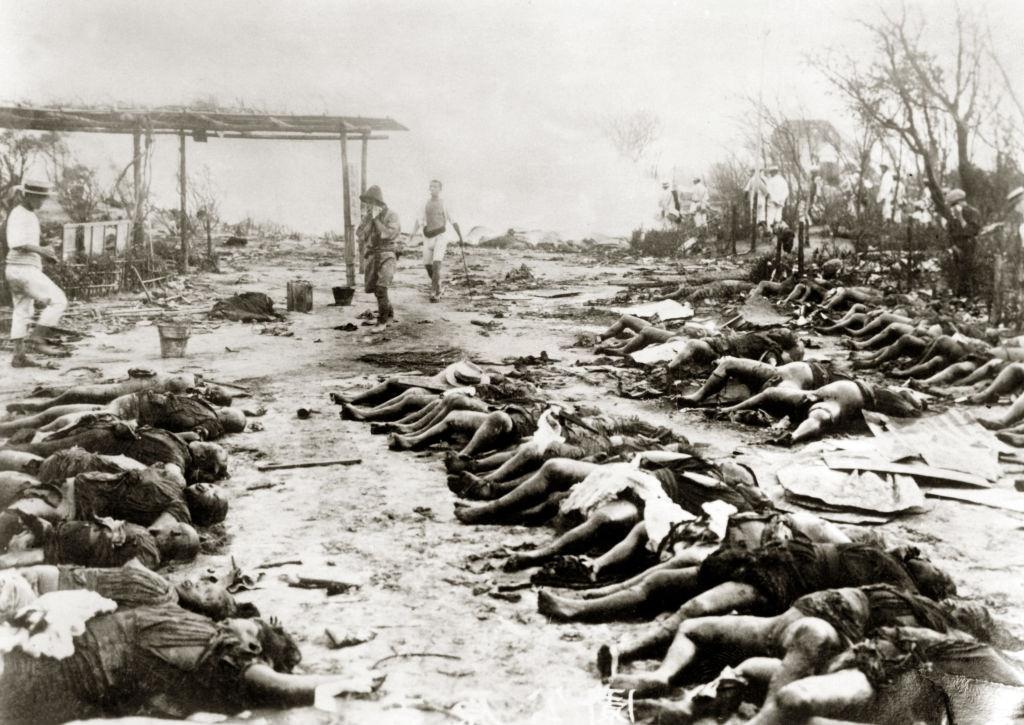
<point>379,230</point>
<point>756,191</point>
<point>964,225</point>
<point>886,192</point>
<point>26,279</point>
<point>668,211</point>
<point>1015,213</point>
<point>701,198</point>
<point>435,221</point>
<point>778,192</point>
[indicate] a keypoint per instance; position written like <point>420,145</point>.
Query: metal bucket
<point>173,339</point>
<point>343,295</point>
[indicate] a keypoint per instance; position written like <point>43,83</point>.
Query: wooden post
<point>137,187</point>
<point>362,190</point>
<point>346,184</point>
<point>753,230</point>
<point>801,239</point>
<point>732,226</point>
<point>183,206</point>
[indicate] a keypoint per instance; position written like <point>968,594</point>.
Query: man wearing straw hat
<point>25,278</point>
<point>380,230</point>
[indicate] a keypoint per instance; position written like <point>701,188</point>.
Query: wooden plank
<point>839,463</point>
<point>310,464</point>
<point>999,498</point>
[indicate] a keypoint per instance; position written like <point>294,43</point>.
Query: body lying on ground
<point>198,460</point>
<point>162,656</point>
<point>822,410</point>
<point>904,674</point>
<point>102,393</point>
<point>131,585</point>
<point>155,497</point>
<point>758,376</point>
<point>175,412</point>
<point>806,636</point>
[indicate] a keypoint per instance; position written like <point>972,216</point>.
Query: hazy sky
<point>502,97</point>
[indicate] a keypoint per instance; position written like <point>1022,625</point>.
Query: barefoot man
<point>26,280</point>
<point>435,237</point>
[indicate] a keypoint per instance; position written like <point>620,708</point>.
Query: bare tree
<point>79,192</point>
<point>933,105</point>
<point>633,133</point>
<point>205,198</point>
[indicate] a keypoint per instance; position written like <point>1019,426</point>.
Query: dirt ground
<point>425,580</point>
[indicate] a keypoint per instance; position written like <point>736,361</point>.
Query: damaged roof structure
<point>202,124</point>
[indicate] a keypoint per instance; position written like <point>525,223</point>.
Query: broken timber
<point>310,464</point>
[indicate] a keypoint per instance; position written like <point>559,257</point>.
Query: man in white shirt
<point>434,223</point>
<point>668,214</point>
<point>756,188</point>
<point>23,271</point>
<point>778,192</point>
<point>701,198</point>
<point>886,192</point>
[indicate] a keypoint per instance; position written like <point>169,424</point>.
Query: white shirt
<point>22,229</point>
<point>700,197</point>
<point>886,186</point>
<point>778,190</point>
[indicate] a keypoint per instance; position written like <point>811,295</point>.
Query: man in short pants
<point>435,223</point>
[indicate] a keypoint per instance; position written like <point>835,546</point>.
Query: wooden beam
<point>183,209</point>
<point>137,188</point>
<point>346,184</point>
<point>362,190</point>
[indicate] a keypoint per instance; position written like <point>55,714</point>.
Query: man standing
<point>756,190</point>
<point>435,237</point>
<point>700,205</point>
<point>668,211</point>
<point>778,192</point>
<point>886,192</point>
<point>379,231</point>
<point>26,280</point>
<point>964,225</point>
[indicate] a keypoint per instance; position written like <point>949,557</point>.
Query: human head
<point>373,197</point>
<point>34,193</point>
<point>216,394</point>
<point>232,419</point>
<point>900,403</point>
<point>696,180</point>
<point>209,461</point>
<point>206,503</point>
<point>931,581</point>
<point>664,185</point>
<point>206,596</point>
<point>435,188</point>
<point>971,617</point>
<point>268,640</point>
<point>177,540</point>
<point>773,170</point>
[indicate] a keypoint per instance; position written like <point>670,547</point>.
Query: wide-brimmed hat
<point>372,195</point>
<point>773,167</point>
<point>1015,194</point>
<point>34,186</point>
<point>955,196</point>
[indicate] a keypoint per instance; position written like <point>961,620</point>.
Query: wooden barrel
<point>300,295</point>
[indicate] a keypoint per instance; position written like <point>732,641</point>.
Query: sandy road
<point>388,522</point>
